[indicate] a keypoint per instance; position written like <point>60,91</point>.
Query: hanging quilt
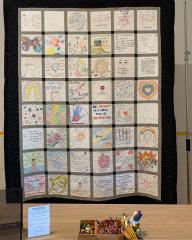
<point>93,89</point>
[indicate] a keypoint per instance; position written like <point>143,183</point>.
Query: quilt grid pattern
<point>90,102</point>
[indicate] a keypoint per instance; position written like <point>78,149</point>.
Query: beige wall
<point>2,179</point>
<point>179,93</point>
<point>1,63</point>
<point>180,96</point>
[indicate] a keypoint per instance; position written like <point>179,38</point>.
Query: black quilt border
<point>11,122</point>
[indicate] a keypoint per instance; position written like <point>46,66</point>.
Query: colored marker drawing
<point>148,160</point>
<point>33,162</point>
<point>58,184</point>
<point>79,114</point>
<point>31,91</point>
<point>102,137</point>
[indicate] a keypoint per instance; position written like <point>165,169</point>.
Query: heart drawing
<point>148,89</point>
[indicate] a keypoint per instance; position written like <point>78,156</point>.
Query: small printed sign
<point>38,221</point>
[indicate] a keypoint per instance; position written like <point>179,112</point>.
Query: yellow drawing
<point>32,91</point>
<point>58,184</point>
<point>102,137</point>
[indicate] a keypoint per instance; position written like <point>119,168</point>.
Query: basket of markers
<point>112,228</point>
<point>131,227</point>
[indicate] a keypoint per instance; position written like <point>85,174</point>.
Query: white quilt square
<point>77,21</point>
<point>54,67</point>
<point>102,162</point>
<point>79,138</point>
<point>124,20</point>
<point>31,21</point>
<point>124,67</point>
<point>101,90</point>
<point>33,138</point>
<point>55,91</point>
<point>54,21</point>
<point>80,186</point>
<point>31,67</point>
<point>125,183</point>
<point>100,21</point>
<point>147,113</point>
<point>103,186</point>
<point>148,184</point>
<point>147,20</point>
<point>80,161</point>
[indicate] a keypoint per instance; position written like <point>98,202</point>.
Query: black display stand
<point>11,214</point>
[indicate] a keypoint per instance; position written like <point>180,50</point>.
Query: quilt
<point>90,102</point>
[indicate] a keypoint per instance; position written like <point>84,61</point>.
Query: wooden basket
<point>96,236</point>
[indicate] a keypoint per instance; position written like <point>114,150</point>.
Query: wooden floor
<point>160,222</point>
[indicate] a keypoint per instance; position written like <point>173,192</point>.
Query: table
<point>160,222</point>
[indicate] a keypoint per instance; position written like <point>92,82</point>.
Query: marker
<point>132,218</point>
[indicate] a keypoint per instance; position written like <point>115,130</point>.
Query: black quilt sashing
<point>168,171</point>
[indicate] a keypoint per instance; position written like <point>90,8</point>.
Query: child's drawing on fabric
<point>58,184</point>
<point>32,114</point>
<point>102,162</point>
<point>80,161</point>
<point>100,21</point>
<point>55,44</point>
<point>77,21</point>
<point>148,90</point>
<point>124,90</point>
<point>102,137</point>
<point>31,91</point>
<point>100,44</point>
<point>125,183</point>
<point>54,67</point>
<point>124,20</point>
<point>78,68</point>
<point>31,44</point>
<point>147,160</point>
<point>34,185</point>
<point>124,137</point>
<point>31,21</point>
<point>147,43</point>
<point>101,67</point>
<point>124,43</point>
<point>78,44</point>
<point>125,160</point>
<point>56,138</point>
<point>124,113</point>
<point>147,137</point>
<point>57,161</point>
<point>56,114</point>
<point>124,67</point>
<point>80,186</point>
<point>147,20</point>
<point>103,186</point>
<point>147,113</point>
<point>55,91</point>
<point>78,91</point>
<point>33,162</point>
<point>148,67</point>
<point>147,184</point>
<point>79,138</point>
<point>101,90</point>
<point>31,67</point>
<point>33,138</point>
<point>79,114</point>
